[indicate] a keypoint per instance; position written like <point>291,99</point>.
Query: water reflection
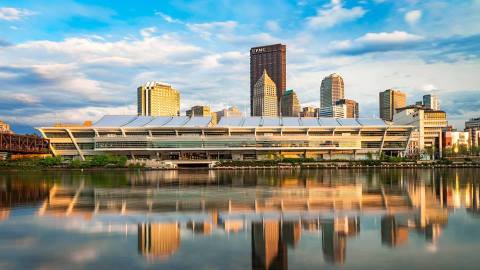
<point>274,210</point>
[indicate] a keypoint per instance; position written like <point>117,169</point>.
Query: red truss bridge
<point>23,144</point>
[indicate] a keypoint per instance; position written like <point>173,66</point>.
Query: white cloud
<point>333,14</point>
<point>14,14</point>
<point>272,26</point>
<point>207,30</point>
<point>413,16</point>
<point>148,32</point>
<point>389,37</point>
<point>25,98</point>
<point>428,87</point>
<point>373,42</point>
<point>167,18</point>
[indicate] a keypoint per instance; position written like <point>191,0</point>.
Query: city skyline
<point>86,62</point>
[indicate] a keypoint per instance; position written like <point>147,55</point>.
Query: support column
<point>75,143</point>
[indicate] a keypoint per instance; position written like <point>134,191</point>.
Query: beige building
<point>230,112</point>
<point>331,90</point>
<point>158,99</point>
<point>4,127</point>
<point>290,105</point>
<point>428,123</point>
<point>352,107</point>
<point>309,111</point>
<point>265,97</point>
<point>201,110</point>
<point>390,100</point>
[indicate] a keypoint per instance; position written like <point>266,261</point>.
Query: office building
<point>472,126</point>
<point>428,123</point>
<point>271,58</point>
<point>390,100</point>
<point>158,99</point>
<point>233,138</point>
<point>431,102</point>
<point>265,97</point>
<point>203,111</point>
<point>230,112</point>
<point>4,127</point>
<point>331,90</point>
<point>352,110</point>
<point>290,106</point>
<point>309,112</point>
<point>336,111</point>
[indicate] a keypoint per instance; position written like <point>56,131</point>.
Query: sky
<point>70,61</point>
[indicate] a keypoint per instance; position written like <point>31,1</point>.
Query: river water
<point>200,219</point>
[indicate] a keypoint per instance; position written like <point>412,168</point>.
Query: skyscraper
<point>158,99</point>
<point>431,102</point>
<point>271,58</point>
<point>331,90</point>
<point>390,100</point>
<point>290,106</point>
<point>265,97</point>
<point>352,107</point>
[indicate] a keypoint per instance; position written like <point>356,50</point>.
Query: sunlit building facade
<point>290,105</point>
<point>332,89</point>
<point>390,100</point>
<point>265,97</point>
<point>158,99</point>
<point>4,127</point>
<point>233,138</point>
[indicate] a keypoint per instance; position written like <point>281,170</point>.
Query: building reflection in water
<point>158,240</point>
<point>411,201</point>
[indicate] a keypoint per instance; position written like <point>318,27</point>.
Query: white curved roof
<point>131,121</point>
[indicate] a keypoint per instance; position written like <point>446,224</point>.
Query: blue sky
<point>71,61</point>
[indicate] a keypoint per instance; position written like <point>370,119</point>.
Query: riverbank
<point>120,164</point>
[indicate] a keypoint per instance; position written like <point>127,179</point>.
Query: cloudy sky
<point>70,61</point>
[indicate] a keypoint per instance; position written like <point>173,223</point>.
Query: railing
<point>23,144</point>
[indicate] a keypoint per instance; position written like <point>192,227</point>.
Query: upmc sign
<point>259,50</point>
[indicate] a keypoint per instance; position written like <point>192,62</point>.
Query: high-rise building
<point>352,107</point>
<point>290,106</point>
<point>273,59</point>
<point>331,90</point>
<point>309,111</point>
<point>390,100</point>
<point>4,127</point>
<point>158,99</point>
<point>336,111</point>
<point>265,97</point>
<point>431,102</point>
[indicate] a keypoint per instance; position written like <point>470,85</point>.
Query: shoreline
<point>307,166</point>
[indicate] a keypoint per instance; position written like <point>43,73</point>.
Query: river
<point>201,219</point>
